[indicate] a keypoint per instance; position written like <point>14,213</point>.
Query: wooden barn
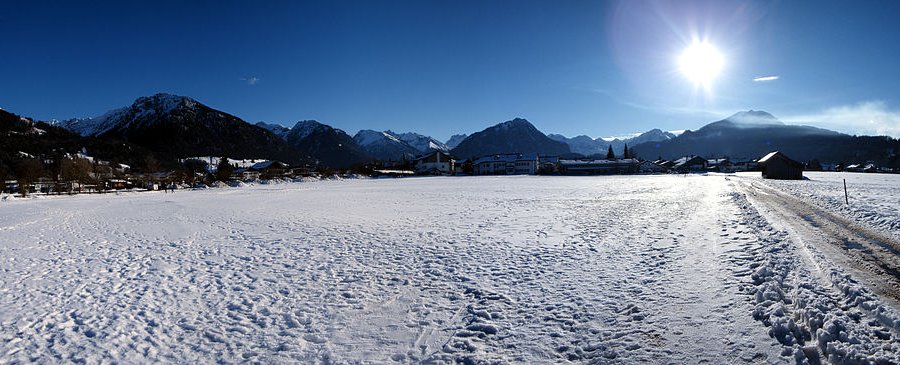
<point>777,165</point>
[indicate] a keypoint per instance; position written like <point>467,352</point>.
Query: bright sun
<point>701,63</point>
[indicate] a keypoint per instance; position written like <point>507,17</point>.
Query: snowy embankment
<point>874,199</point>
<point>428,270</point>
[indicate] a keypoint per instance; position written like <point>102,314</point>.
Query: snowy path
<point>660,269</point>
<point>873,256</point>
<point>833,289</point>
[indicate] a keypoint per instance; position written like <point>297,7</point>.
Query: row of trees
<point>69,175</point>
<point>610,155</point>
<point>27,171</point>
<point>64,174</point>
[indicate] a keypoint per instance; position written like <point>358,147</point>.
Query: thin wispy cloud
<point>250,80</point>
<point>765,78</point>
<point>866,118</point>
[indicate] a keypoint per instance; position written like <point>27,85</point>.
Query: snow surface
<point>212,162</point>
<point>518,269</point>
<point>874,198</point>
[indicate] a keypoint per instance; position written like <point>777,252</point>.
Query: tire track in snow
<point>803,292</point>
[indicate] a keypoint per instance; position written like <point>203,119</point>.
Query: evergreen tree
<point>609,154</point>
<point>224,170</point>
<point>625,155</point>
<point>192,168</point>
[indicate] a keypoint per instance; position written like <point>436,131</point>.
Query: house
<point>10,186</point>
<point>719,164</point>
<point>118,184</point>
<point>246,175</point>
<point>599,167</point>
<point>690,164</point>
<point>665,163</point>
<point>301,171</point>
<point>744,165</point>
<point>548,164</point>
<point>650,167</point>
<point>435,163</point>
<point>777,165</point>
<point>44,185</point>
<point>270,169</point>
<point>507,164</point>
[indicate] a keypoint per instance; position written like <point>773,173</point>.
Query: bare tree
<point>28,172</point>
<point>76,170</point>
<point>151,165</point>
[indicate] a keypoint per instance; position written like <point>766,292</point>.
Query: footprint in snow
<point>310,337</point>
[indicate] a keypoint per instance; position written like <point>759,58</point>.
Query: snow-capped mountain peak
<point>278,129</point>
<point>421,142</point>
<point>367,137</point>
<point>754,117</point>
<point>163,103</point>
<point>304,128</point>
<point>143,109</point>
<point>455,140</point>
<point>387,145</point>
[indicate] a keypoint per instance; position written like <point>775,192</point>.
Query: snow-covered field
<point>622,269</point>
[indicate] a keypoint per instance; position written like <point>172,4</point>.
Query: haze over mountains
<point>748,135</point>
<point>167,127</point>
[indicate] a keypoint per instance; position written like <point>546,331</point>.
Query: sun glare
<point>701,63</point>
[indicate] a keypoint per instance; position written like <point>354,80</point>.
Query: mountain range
<point>323,145</point>
<point>390,146</point>
<point>598,146</point>
<point>177,126</point>
<point>750,134</point>
<point>166,127</point>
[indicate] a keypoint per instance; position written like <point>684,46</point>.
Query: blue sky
<point>446,67</point>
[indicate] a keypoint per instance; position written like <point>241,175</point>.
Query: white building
<point>599,167</point>
<point>435,163</point>
<point>651,167</point>
<point>507,164</point>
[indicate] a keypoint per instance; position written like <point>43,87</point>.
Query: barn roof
<point>777,154</point>
<point>767,157</point>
